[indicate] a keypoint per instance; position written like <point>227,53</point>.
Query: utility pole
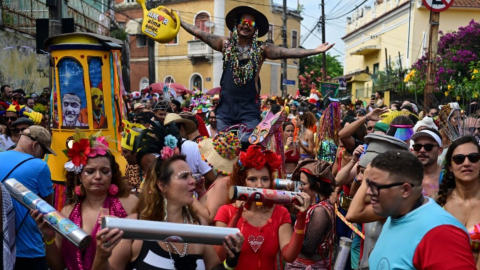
<point>324,58</point>
<point>284,61</point>
<point>55,9</point>
<point>432,58</point>
<point>151,53</point>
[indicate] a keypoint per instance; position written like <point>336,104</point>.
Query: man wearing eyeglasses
<point>25,164</point>
<point>427,148</point>
<point>418,233</point>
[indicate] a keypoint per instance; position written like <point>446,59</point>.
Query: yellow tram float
<point>87,93</point>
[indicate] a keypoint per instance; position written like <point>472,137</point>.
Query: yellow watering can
<point>158,25</point>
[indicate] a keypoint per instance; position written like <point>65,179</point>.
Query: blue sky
<point>335,29</point>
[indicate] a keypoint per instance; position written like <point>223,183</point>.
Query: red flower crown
<point>256,158</point>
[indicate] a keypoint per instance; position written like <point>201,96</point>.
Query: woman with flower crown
<point>267,228</point>
<point>95,188</point>
<point>166,196</point>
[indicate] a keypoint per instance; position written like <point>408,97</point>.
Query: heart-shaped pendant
<point>255,242</point>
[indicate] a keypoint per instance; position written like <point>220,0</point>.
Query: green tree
<point>311,71</point>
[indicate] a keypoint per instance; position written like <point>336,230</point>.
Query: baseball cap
<point>43,137</point>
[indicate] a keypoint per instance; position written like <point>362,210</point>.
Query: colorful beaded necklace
<point>242,73</point>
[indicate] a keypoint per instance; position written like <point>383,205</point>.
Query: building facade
<point>191,62</point>
<point>393,32</point>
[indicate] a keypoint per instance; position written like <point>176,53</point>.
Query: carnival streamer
<point>350,225</point>
<point>167,231</point>
<point>55,219</point>
<point>114,86</point>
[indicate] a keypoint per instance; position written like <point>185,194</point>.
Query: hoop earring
<point>165,209</point>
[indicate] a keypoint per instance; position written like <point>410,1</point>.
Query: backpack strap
<point>1,204</point>
<point>14,168</point>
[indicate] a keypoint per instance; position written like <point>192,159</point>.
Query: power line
<point>349,11</point>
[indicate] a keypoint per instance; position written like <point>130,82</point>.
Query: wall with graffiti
<point>21,67</point>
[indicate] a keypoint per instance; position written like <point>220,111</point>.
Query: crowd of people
<point>400,188</point>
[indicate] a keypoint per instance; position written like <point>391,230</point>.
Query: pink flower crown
<point>84,148</point>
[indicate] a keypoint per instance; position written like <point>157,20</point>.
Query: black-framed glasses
<point>375,188</point>
<point>427,146</point>
<point>460,158</point>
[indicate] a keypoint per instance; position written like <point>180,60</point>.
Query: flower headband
<point>84,148</point>
<point>170,147</point>
<point>256,158</point>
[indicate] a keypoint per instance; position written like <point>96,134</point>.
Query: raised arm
<point>359,212</point>
<point>347,173</point>
<point>276,52</point>
<point>214,41</point>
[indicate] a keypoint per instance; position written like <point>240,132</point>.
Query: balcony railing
<point>197,50</point>
<point>21,15</point>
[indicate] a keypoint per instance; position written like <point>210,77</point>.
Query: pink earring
<point>113,189</point>
<point>78,190</point>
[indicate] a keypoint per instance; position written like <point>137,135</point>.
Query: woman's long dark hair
<point>448,181</point>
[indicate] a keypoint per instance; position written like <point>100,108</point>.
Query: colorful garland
<point>242,73</point>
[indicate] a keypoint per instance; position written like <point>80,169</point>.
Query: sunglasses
<point>427,147</point>
<point>17,130</point>
<point>11,118</point>
<point>247,22</point>
<point>459,159</point>
<point>35,140</point>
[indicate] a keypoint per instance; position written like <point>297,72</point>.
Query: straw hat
<point>190,126</point>
<point>221,152</point>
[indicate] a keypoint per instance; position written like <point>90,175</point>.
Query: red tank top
<point>261,246</point>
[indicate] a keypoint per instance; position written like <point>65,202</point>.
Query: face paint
<point>247,22</point>
<point>184,175</point>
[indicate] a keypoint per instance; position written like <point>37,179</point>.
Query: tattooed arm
<point>214,41</point>
<point>276,52</point>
